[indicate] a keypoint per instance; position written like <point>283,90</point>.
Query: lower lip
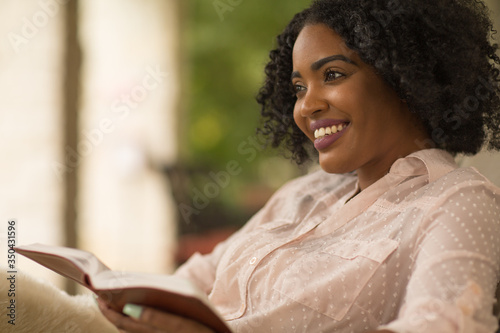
<point>328,140</point>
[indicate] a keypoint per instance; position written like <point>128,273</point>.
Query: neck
<point>369,174</point>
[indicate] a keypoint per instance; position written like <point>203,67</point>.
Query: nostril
<point>309,108</point>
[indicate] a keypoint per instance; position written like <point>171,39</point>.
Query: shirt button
<point>253,260</point>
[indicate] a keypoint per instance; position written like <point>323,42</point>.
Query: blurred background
<point>127,127</point>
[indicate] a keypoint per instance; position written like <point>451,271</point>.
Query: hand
<point>151,321</point>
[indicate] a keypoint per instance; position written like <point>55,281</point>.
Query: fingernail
<point>94,297</point>
<point>132,310</point>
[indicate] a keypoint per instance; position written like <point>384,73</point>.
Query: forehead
<point>317,41</point>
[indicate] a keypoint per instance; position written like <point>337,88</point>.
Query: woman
<point>390,236</point>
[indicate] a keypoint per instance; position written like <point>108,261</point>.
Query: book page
<point>164,292</point>
<point>71,263</point>
<point>119,280</point>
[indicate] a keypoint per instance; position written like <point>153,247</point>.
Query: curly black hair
<point>438,55</point>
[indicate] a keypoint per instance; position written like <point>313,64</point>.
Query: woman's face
<point>356,121</point>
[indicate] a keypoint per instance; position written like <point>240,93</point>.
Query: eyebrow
<point>321,62</point>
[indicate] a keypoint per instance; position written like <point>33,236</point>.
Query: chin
<point>331,164</point>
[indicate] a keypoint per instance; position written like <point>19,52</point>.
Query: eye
<point>332,75</point>
<point>297,88</point>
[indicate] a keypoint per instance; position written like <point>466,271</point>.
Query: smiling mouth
<point>325,131</point>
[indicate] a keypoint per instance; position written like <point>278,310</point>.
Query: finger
<point>126,324</point>
<point>160,319</point>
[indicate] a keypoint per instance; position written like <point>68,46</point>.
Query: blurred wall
<point>487,162</point>
<point>30,123</point>
<point>127,127</point>
<point>495,8</point>
<point>128,120</point>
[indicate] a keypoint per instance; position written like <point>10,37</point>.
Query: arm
<point>456,264</point>
<point>201,269</point>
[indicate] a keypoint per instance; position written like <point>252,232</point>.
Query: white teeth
<point>321,132</point>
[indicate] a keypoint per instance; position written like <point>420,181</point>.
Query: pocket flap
<point>377,250</point>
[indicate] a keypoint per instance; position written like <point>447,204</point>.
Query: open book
<point>164,292</point>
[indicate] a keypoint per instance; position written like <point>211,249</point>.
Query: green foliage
<point>226,46</point>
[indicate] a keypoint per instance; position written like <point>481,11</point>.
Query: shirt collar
<point>433,162</point>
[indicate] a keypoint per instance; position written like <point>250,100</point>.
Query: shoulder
<point>461,181</point>
<point>433,176</point>
<point>464,196</point>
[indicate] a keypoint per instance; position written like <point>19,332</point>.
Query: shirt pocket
<point>330,279</point>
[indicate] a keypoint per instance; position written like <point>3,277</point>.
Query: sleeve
<point>201,269</point>
<point>456,266</point>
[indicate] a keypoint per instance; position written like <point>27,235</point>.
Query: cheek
<point>365,105</point>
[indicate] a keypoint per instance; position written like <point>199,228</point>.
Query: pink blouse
<point>417,251</point>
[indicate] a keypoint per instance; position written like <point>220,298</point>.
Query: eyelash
<point>331,71</point>
<point>326,75</point>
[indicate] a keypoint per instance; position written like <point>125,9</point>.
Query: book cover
<point>163,292</point>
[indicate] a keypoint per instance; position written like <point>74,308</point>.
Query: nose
<point>311,103</point>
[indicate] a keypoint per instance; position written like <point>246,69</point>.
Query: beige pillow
<point>41,307</point>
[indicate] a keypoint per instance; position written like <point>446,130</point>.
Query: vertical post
<point>71,89</point>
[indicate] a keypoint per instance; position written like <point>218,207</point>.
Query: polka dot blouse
<point>417,251</point>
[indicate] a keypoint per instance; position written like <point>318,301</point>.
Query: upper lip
<point>322,123</point>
